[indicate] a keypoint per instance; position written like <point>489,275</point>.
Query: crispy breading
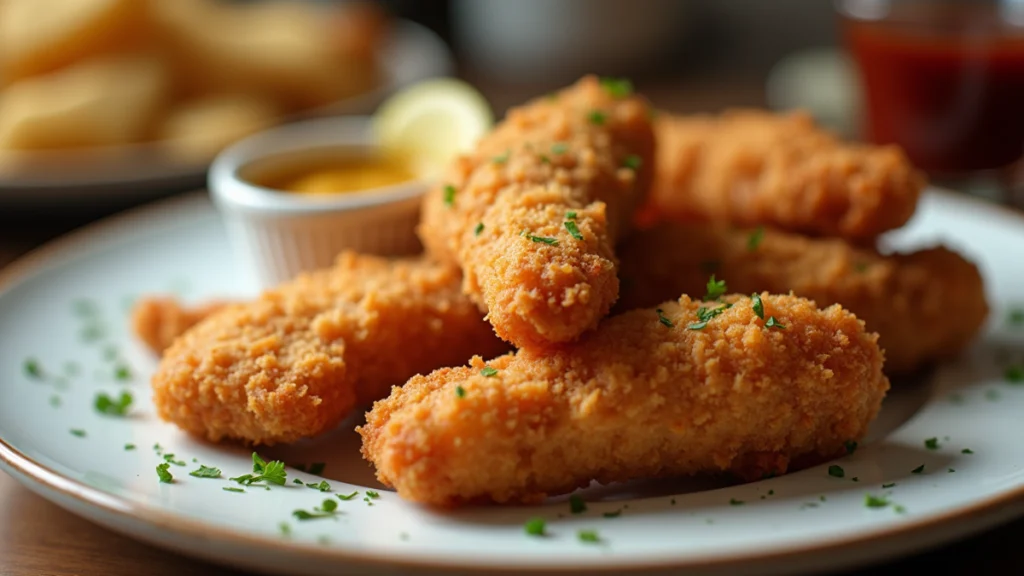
<point>749,167</point>
<point>642,396</point>
<point>925,305</point>
<point>501,211</point>
<point>158,320</point>
<point>294,362</point>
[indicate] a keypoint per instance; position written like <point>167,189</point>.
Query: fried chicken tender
<point>532,215</point>
<point>749,167</point>
<point>294,362</point>
<point>925,306</point>
<point>158,321</point>
<point>642,396</point>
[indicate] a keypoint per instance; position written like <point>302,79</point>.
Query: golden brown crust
<point>554,156</point>
<point>749,167</point>
<point>294,362</point>
<point>925,305</point>
<point>634,399</point>
<point>158,321</point>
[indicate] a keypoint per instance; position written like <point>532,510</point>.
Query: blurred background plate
<point>117,175</point>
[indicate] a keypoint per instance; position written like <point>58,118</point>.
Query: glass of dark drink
<point>944,79</point>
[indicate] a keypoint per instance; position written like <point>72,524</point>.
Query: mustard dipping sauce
<point>342,176</point>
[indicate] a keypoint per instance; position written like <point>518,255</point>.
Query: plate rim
<point>930,529</point>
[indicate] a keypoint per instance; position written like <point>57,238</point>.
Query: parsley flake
<point>872,501</point>
<point>105,404</point>
<point>1016,317</point>
<point>704,315</point>
<point>449,195</point>
<point>285,528</point>
<point>78,432</point>
<point>715,289</point>
<point>663,319</point>
<point>460,392</point>
<point>128,447</point>
<point>967,451</point>
<point>205,472</point>
<point>950,471</point>
<point>1014,374</point>
<point>889,485</point>
<point>479,228</point>
<point>323,486</point>
<point>233,489</point>
<point>540,239</point>
<point>597,117</point>
<point>755,238</point>
<point>502,158</point>
<point>918,470</point>
<point>326,510</point>
<point>122,373</point>
<point>272,472</point>
<point>33,369</point>
<point>347,497</point>
<point>757,305</point>
<point>488,372</point>
<point>573,229</point>
<point>544,159</point>
<point>836,471</point>
<point>588,536</point>
<point>372,494</point>
<point>55,401</point>
<point>576,504</point>
<point>535,526</point>
<point>735,502</point>
<point>559,148</point>
<point>570,215</point>
<point>932,443</point>
<point>614,514</point>
<point>164,473</point>
<point>633,162</point>
<point>851,446</point>
<point>771,322</point>
<point>617,87</point>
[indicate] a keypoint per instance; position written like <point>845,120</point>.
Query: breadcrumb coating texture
<point>634,399</point>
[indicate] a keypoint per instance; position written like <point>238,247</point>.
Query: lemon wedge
<point>428,124</point>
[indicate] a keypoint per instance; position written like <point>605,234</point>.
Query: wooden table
<point>37,537</point>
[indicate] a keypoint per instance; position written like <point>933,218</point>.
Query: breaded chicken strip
<point>750,167</point>
<point>294,362</point>
<point>925,305</point>
<point>157,321</point>
<point>642,396</point>
<point>532,215</point>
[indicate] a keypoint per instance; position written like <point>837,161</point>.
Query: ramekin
<point>276,234</point>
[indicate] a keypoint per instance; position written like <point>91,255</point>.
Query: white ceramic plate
<point>140,171</point>
<point>65,307</point>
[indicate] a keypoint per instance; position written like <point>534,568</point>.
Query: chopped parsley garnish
<point>540,239</point>
<point>104,404</point>
<point>570,215</point>
<point>851,446</point>
<point>872,501</point>
<point>735,502</point>
<point>317,468</point>
<point>502,158</point>
<point>597,117</point>
<point>233,489</point>
<point>479,228</point>
<point>372,494</point>
<point>588,536</point>
<point>806,505</point>
<point>449,195</point>
<point>128,447</point>
<point>614,514</point>
<point>889,485</point>
<point>488,372</point>
<point>1014,374</point>
<point>33,369</point>
<point>576,504</point>
<point>967,451</point>
<point>663,319</point>
<point>918,470</point>
<point>122,373</point>
<point>704,315</point>
<point>323,486</point>
<point>836,471</point>
<point>297,481</point>
<point>757,305</point>
<point>169,458</point>
<point>755,238</point>
<point>285,528</point>
<point>272,472</point>
<point>535,526</point>
<point>55,400</point>
<point>617,87</point>
<point>460,392</point>
<point>633,162</point>
<point>950,471</point>
<point>347,497</point>
<point>715,289</point>
<point>1017,317</point>
<point>932,443</point>
<point>328,509</point>
<point>559,148</point>
<point>205,472</point>
<point>78,432</point>
<point>544,159</point>
<point>771,322</point>
<point>163,471</point>
<point>573,229</point>
<point>899,509</point>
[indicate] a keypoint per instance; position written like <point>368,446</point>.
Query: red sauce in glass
<point>945,81</point>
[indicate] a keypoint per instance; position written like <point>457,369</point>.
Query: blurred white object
<point>528,39</point>
<point>277,234</point>
<point>822,81</point>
